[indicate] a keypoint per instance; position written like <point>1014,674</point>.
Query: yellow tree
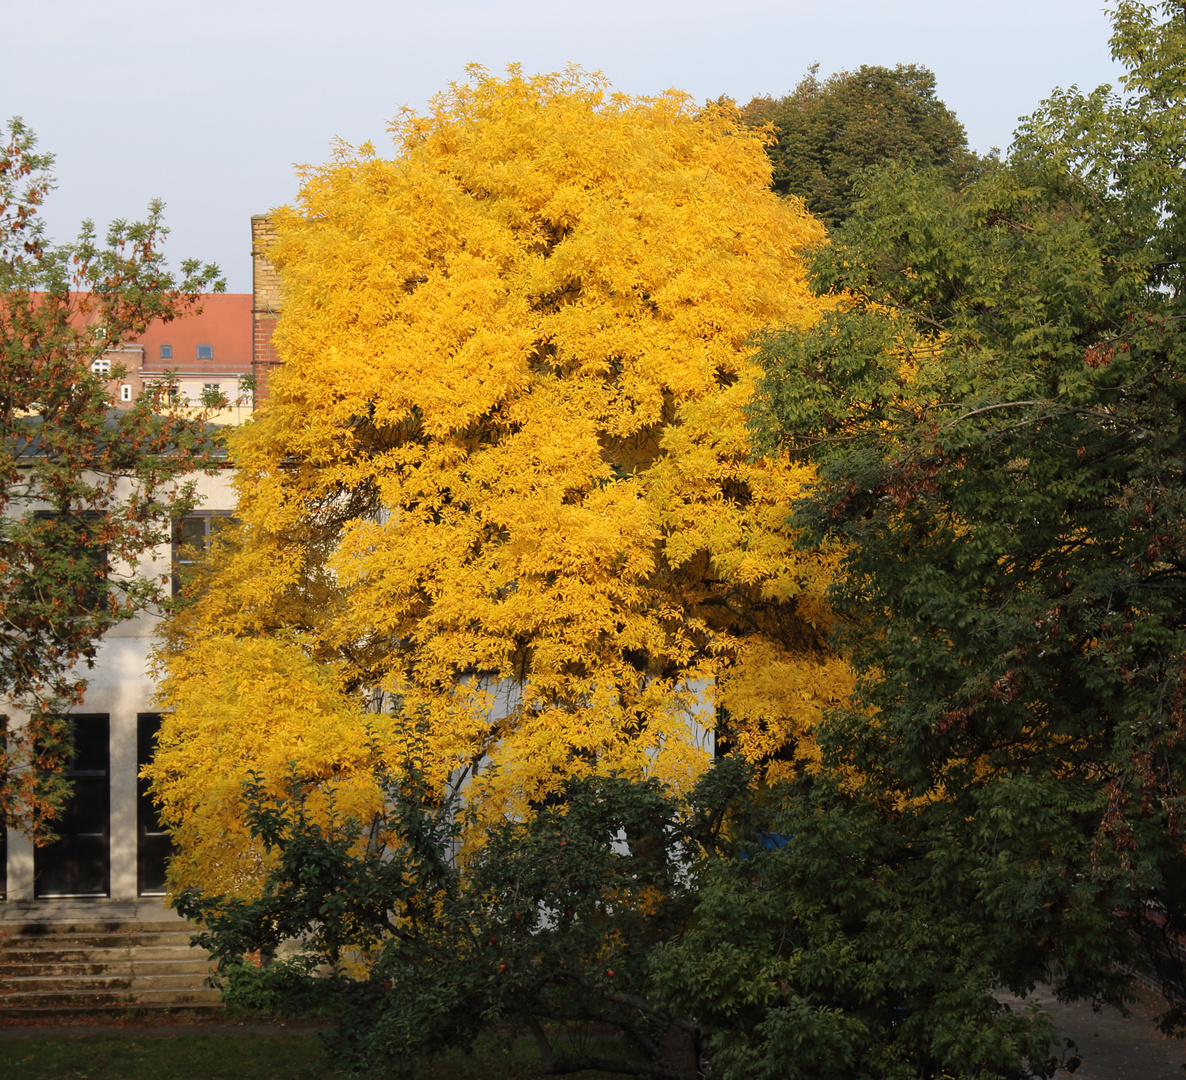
<point>500,502</point>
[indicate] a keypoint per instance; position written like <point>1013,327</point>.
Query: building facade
<point>210,351</point>
<point>111,845</point>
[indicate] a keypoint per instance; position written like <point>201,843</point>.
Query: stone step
<point>81,983</point>
<point>146,981</point>
<point>183,965</point>
<point>42,952</point>
<point>51,928</point>
<point>80,965</point>
<point>22,971</point>
<point>165,998</point>
<point>43,947</point>
<point>125,940</point>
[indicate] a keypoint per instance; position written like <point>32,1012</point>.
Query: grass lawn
<point>134,1056</point>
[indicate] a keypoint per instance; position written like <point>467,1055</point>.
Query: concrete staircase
<point>99,957</point>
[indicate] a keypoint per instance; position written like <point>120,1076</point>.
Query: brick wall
<point>265,305</point>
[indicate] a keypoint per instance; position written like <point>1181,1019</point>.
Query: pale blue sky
<point>209,104</point>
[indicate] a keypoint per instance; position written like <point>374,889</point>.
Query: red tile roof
<point>224,323</point>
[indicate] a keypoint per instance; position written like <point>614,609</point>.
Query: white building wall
<point>120,686</point>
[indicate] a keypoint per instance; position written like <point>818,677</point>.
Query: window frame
<point>147,729</point>
<point>66,847</point>
<point>207,516</point>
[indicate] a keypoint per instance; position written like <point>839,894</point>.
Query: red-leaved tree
<point>84,489</point>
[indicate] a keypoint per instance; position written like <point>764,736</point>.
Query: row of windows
<point>191,536</point>
<point>205,352</point>
<point>78,862</point>
<point>102,366</point>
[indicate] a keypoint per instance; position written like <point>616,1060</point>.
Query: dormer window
<point>166,352</point>
<point>205,352</point>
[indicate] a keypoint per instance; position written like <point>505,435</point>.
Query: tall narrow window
<point>153,843</point>
<point>192,537</point>
<point>86,577</point>
<point>78,863</point>
<point>3,830</point>
<point>125,393</point>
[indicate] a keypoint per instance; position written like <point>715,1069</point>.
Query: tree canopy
<point>502,490</point>
<point>995,406</point>
<point>84,490</point>
<point>987,409</point>
<point>827,131</point>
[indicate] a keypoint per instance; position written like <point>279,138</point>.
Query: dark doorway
<point>153,844</point>
<point>78,862</point>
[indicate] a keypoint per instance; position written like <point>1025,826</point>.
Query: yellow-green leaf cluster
<point>503,477</point>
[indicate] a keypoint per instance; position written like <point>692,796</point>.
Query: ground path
<point>1114,1047</point>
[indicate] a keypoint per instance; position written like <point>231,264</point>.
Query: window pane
<point>155,850</point>
<point>51,865</point>
<point>155,845</point>
<point>194,531</point>
<point>89,806</point>
<point>90,745</point>
<point>89,856</point>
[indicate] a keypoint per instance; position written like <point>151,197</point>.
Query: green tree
<point>84,489</point>
<point>997,407</point>
<point>827,131</point>
<point>547,929</point>
<point>853,943</point>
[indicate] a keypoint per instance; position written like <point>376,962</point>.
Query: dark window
<point>166,352</point>
<point>191,537</point>
<point>205,352</point>
<point>84,560</point>
<point>153,843</point>
<point>78,862</point>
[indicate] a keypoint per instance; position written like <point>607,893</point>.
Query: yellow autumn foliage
<point>502,485</point>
